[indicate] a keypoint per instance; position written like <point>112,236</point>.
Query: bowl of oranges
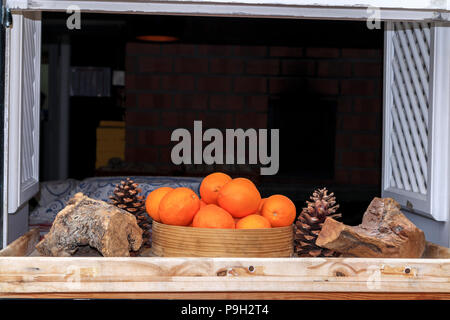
<point>228,219</point>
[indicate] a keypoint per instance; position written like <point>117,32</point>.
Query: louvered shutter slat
<point>24,108</point>
<point>419,63</point>
<point>413,120</point>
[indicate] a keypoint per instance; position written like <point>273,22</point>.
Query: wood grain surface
<point>177,241</point>
<point>221,278</point>
<point>22,246</point>
<point>81,274</point>
<point>234,295</point>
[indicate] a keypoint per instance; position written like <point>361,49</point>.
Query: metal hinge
<point>6,18</point>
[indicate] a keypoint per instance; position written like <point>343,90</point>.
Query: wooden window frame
<point>411,10</point>
<point>390,10</point>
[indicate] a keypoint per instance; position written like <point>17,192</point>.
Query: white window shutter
<point>23,62</point>
<point>416,117</point>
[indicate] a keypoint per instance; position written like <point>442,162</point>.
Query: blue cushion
<point>54,195</point>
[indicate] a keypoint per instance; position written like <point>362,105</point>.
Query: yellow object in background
<point>110,142</point>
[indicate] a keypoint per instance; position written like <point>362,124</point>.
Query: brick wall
<point>169,86</point>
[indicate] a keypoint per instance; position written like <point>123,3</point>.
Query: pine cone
<point>310,221</point>
<point>127,197</point>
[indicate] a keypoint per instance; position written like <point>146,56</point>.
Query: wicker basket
<point>176,241</point>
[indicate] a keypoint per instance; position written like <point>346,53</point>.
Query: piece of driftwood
<point>385,232</point>
<point>88,222</point>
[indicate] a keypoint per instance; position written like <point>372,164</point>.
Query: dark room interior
<point>320,87</point>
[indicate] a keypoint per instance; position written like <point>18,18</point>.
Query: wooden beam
<point>234,295</point>
<point>414,10</point>
<point>23,246</point>
<point>52,275</point>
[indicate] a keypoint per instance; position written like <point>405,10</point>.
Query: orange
<point>253,221</point>
<point>153,200</point>
<point>279,210</point>
<point>210,186</point>
<point>202,203</point>
<point>239,197</point>
<point>212,216</point>
<point>179,206</point>
<point>261,203</point>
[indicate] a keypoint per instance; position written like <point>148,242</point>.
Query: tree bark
<point>88,222</point>
<point>385,232</point>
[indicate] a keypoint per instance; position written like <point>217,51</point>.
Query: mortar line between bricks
<point>246,96</point>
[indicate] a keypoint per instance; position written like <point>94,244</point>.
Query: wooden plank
<point>234,295</point>
<point>435,251</point>
<point>308,9</point>
<point>45,274</point>
<point>22,246</point>
<point>222,278</point>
